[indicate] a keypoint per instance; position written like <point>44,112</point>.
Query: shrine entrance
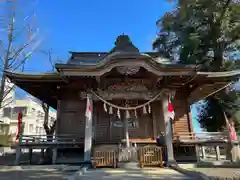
<point>127,96</point>
<point>121,120</point>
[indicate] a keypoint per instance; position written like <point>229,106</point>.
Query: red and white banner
<point>171,110</point>
<point>19,133</point>
<point>231,128</point>
<point>88,113</point>
<point>232,131</point>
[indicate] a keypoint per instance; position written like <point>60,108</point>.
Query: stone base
<point>171,163</point>
<point>129,165</point>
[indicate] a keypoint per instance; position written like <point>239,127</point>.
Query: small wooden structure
<point>127,93</point>
<point>150,156</point>
<point>104,157</point>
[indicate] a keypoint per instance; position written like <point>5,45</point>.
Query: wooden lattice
<point>104,158</point>
<point>150,156</point>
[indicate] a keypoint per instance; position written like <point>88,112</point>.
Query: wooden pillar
<point>88,131</point>
<point>168,129</point>
<point>232,149</point>
<point>58,119</point>
<point>30,154</point>
<point>154,120</point>
<point>197,152</point>
<point>126,132</point>
<point>54,156</point>
<point>235,152</point>
<point>55,150</point>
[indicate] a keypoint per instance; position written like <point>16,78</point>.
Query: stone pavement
<point>131,174</point>
<point>219,172</point>
<point>61,172</point>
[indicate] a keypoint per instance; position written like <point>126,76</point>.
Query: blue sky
<point>93,25</point>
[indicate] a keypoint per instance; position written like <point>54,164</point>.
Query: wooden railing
<point>141,140</point>
<point>50,140</point>
<point>199,136</point>
<point>150,155</point>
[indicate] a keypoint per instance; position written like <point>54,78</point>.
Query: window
<point>40,114</point>
<point>30,127</point>
<point>33,110</point>
<point>41,130</point>
<point>52,120</point>
<point>7,112</point>
<point>37,130</point>
<point>22,109</point>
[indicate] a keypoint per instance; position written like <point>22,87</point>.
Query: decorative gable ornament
<point>124,44</point>
<point>126,70</point>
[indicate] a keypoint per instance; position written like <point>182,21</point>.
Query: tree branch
<point>3,106</point>
<point>16,54</point>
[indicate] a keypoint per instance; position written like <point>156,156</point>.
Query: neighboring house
<point>33,116</point>
<point>9,94</point>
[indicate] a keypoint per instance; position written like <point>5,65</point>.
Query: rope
<point>127,108</point>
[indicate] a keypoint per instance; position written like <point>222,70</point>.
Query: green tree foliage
<point>206,33</point>
<point>211,115</point>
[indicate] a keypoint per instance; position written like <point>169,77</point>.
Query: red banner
<point>20,115</point>
<point>232,132</point>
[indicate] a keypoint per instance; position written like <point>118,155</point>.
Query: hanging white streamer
<point>127,114</point>
<point>105,107</point>
<point>118,114</point>
<point>149,108</point>
<point>144,110</point>
<point>135,113</point>
<point>110,110</point>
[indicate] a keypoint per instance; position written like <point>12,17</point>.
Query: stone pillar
<point>203,152</point>
<point>88,132</point>
<point>18,153</point>
<point>168,129</point>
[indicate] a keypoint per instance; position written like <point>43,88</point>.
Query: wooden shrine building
<point>125,94</point>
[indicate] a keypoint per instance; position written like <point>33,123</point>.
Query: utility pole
<point>6,58</point>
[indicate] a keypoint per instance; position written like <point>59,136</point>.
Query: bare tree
<point>49,128</point>
<point>17,43</point>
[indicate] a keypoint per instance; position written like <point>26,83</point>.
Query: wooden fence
<point>150,155</point>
